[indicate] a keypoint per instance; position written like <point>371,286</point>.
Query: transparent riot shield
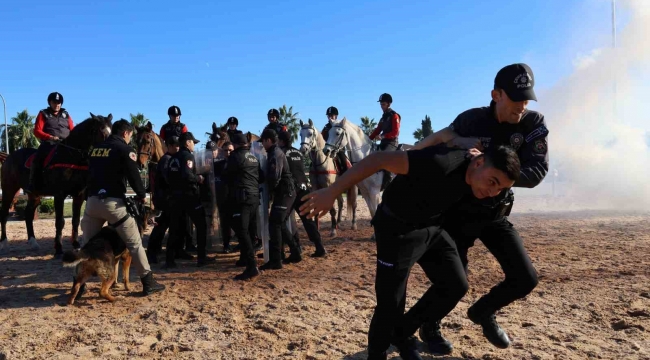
<point>219,156</point>
<point>204,166</point>
<point>263,212</point>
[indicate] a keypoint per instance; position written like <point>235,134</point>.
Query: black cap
<point>517,81</point>
<point>239,139</point>
<point>211,145</point>
<point>187,136</point>
<point>172,141</point>
<point>332,111</point>
<point>174,111</point>
<point>232,120</point>
<point>385,98</point>
<point>56,97</point>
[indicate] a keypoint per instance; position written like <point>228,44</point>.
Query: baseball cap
<point>239,139</point>
<point>517,81</point>
<point>211,145</point>
<point>172,141</point>
<point>188,136</point>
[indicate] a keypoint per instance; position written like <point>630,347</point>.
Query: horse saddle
<point>48,164</point>
<point>48,158</point>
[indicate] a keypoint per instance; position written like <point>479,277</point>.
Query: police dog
<point>99,257</point>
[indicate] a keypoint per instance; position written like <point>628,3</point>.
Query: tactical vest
<point>173,129</point>
<point>297,166</point>
<point>56,125</point>
<point>277,126</point>
<point>387,122</point>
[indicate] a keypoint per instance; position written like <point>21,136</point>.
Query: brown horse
<point>65,174</point>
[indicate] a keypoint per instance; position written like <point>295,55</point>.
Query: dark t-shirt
<point>435,181</point>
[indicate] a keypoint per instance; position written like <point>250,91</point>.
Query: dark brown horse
<point>65,174</point>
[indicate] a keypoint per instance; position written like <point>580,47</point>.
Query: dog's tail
<point>73,258</point>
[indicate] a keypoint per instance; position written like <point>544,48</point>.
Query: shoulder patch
<point>539,131</point>
<point>516,140</point>
<point>190,164</point>
<point>540,146</point>
<point>132,156</point>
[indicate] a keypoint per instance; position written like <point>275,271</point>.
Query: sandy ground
<point>593,300</point>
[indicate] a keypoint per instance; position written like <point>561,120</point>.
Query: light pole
<point>4,105</point>
<point>614,47</point>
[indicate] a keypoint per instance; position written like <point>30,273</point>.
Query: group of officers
<point>454,197</point>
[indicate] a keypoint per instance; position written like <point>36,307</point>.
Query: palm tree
<point>291,120</point>
<point>368,125</point>
<point>423,131</point>
<point>21,132</point>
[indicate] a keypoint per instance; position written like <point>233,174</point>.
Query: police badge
<point>516,140</point>
<point>540,146</point>
<point>190,164</point>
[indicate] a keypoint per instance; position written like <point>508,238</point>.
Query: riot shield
<point>263,212</point>
<point>204,166</point>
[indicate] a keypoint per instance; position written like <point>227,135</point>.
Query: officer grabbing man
<point>297,168</point>
<point>274,121</point>
<point>281,187</point>
<point>173,127</point>
<point>111,164</point>
<point>232,124</point>
<point>52,125</point>
<point>184,183</point>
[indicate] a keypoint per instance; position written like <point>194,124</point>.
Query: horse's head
<point>93,130</point>
<point>100,127</point>
<point>149,145</point>
<point>251,137</point>
<point>308,137</point>
<point>337,138</point>
<point>219,135</point>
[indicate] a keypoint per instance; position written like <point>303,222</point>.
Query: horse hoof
<point>333,233</point>
<point>33,244</point>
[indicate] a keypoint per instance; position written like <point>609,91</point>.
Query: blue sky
<point>240,58</point>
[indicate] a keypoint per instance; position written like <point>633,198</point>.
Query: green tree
<point>21,132</point>
<point>291,120</point>
<point>368,125</point>
<point>425,130</point>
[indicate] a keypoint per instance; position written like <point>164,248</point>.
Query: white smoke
<point>599,143</point>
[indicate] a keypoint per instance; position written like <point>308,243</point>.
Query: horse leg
<point>59,224</point>
<point>30,210</point>
<point>338,218</point>
<point>10,192</point>
<point>334,224</point>
<point>77,201</point>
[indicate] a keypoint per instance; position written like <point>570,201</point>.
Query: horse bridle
<point>313,149</point>
<point>152,146</point>
<point>337,145</point>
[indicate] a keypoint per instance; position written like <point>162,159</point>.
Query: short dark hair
<point>226,144</point>
<point>504,158</point>
<point>285,137</point>
<point>269,134</point>
<point>121,126</point>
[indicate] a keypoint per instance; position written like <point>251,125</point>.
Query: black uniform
<point>297,168</point>
<point>280,184</point>
<point>408,230</point>
<point>185,197</point>
<point>110,168</point>
<point>243,177</point>
<point>221,189</point>
<point>232,133</point>
<point>277,126</point>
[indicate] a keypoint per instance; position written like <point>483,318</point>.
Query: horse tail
<point>73,258</point>
<point>351,202</point>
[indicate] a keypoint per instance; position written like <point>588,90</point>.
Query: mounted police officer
<point>53,124</point>
<point>388,128</point>
<point>281,187</point>
<point>274,121</point>
<point>505,122</point>
<point>232,124</point>
<point>111,164</point>
<point>243,177</point>
<point>185,198</point>
<point>173,127</point>
<point>332,114</point>
<point>297,168</point>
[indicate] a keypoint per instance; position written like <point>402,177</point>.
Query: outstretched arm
<point>438,137</point>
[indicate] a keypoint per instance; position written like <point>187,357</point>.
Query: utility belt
<point>409,225</point>
<point>244,196</point>
<point>134,208</point>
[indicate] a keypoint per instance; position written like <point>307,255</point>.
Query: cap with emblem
<point>385,98</point>
<point>239,139</point>
<point>517,81</point>
<point>187,136</point>
<point>232,120</point>
<point>174,111</point>
<point>332,111</point>
<point>56,97</point>
<point>211,145</point>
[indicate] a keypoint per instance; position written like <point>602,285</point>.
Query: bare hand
<point>200,179</point>
<point>466,143</point>
<point>379,138</point>
<point>55,138</point>
<point>317,203</point>
<point>473,152</point>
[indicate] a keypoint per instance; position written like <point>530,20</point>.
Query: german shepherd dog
<point>99,257</point>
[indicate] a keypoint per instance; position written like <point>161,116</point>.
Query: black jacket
<point>111,164</point>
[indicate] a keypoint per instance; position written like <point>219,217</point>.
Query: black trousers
<point>225,219</point>
<point>154,245</point>
<point>399,247</point>
<point>192,207</point>
<point>279,232</point>
<point>388,145</point>
<point>309,224</point>
<point>241,223</point>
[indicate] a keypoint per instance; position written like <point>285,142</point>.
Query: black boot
<point>149,285</point>
<point>377,356</point>
<point>431,335</point>
<point>203,261</point>
<point>320,252</point>
<point>248,274</point>
<point>34,177</point>
<point>491,329</point>
<point>293,259</point>
<point>408,349</point>
<point>271,266</point>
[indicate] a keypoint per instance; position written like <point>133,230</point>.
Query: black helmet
<point>332,111</point>
<point>274,112</point>
<point>56,97</point>
<point>232,120</point>
<point>174,110</point>
<point>385,98</point>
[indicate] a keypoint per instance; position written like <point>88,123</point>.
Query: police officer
<point>52,125</point>
<point>184,183</point>
<point>274,121</point>
<point>173,127</point>
<point>243,177</point>
<point>232,124</point>
<point>332,114</point>
<point>221,190</point>
<point>408,230</point>
<point>111,164</point>
<point>505,122</point>
<point>297,168</point>
<point>280,184</point>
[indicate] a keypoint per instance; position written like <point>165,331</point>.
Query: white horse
<point>346,135</point>
<point>322,172</point>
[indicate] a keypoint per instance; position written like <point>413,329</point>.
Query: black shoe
<point>190,247</point>
<point>258,246</point>
<point>236,247</point>
<point>169,265</point>
<point>408,349</point>
<point>227,250</point>
<point>319,253</point>
<point>248,274</point>
<point>377,356</point>
<point>491,329</point>
<point>241,263</point>
<point>292,259</point>
<point>431,335</point>
<point>205,261</point>
<point>271,266</point>
<point>149,285</point>
<point>183,255</point>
